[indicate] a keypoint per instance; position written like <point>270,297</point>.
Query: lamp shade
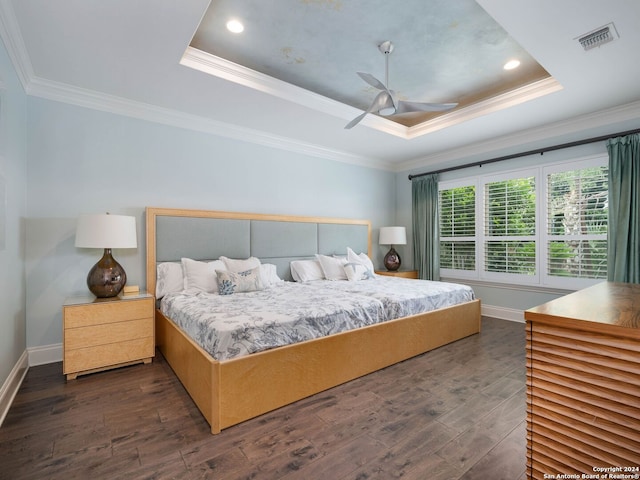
<point>106,231</point>
<point>393,236</point>
<point>107,278</point>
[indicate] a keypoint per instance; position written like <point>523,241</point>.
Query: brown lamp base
<point>107,277</point>
<point>392,260</point>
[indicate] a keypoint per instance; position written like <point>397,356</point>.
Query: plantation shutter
<point>577,210</point>
<point>458,228</point>
<point>510,226</point>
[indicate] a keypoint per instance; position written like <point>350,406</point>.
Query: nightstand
<point>399,273</point>
<point>104,333</point>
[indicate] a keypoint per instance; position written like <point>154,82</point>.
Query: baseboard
<point>45,354</point>
<point>12,385</point>
<point>503,313</point>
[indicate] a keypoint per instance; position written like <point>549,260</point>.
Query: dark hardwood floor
<point>457,412</point>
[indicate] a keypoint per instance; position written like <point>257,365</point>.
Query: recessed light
<point>511,64</point>
<point>235,26</point>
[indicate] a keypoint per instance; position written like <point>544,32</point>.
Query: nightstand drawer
<point>100,334</point>
<point>82,337</point>
<point>107,312</point>
<point>105,355</point>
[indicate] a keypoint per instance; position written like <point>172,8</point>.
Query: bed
<point>229,391</point>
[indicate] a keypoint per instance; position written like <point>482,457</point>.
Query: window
<point>576,217</point>
<point>458,228</point>
<point>538,226</point>
<point>510,226</point>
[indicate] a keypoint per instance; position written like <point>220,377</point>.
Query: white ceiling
<point>135,58</point>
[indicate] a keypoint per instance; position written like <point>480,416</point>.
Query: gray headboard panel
<point>201,238</point>
<point>271,239</point>
<point>278,239</point>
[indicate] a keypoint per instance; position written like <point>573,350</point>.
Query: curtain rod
<point>541,151</point>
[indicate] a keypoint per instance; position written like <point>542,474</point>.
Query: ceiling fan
<point>386,102</point>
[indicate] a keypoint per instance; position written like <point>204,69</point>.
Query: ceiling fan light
<point>386,111</point>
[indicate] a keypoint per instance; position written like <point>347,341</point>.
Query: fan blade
<point>407,107</point>
<point>379,102</point>
<point>391,105</point>
<point>355,121</point>
<point>371,80</point>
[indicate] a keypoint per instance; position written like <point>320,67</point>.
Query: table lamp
<point>392,236</point>
<point>107,277</point>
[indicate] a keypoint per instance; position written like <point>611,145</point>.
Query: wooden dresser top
<point>605,305</point>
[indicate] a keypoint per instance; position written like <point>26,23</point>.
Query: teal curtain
<point>426,242</point>
<point>624,209</point>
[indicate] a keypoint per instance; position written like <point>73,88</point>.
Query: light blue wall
<point>87,161</point>
<point>13,184</point>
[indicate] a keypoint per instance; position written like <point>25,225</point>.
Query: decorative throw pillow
<point>333,268</point>
<point>362,258</point>
<point>169,278</point>
<point>240,265</point>
<point>357,271</point>
<point>306,270</point>
<point>201,276</point>
<point>236,282</point>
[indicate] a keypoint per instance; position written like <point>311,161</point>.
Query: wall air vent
<point>598,37</point>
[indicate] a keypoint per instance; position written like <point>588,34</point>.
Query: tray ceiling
<point>444,52</point>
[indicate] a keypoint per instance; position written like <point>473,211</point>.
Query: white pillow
<point>306,270</point>
<point>169,278</point>
<point>236,282</point>
<point>269,275</point>
<point>357,271</point>
<point>237,265</point>
<point>362,258</point>
<point>332,267</point>
<point>201,276</point>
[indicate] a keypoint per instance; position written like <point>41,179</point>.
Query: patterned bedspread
<point>228,326</point>
<point>403,297</point>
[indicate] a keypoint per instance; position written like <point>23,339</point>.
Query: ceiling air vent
<point>598,37</point>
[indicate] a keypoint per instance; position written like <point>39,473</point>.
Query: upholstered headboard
<point>278,239</point>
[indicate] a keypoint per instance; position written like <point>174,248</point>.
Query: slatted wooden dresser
<point>583,384</point>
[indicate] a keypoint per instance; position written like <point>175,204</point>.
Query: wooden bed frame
<point>232,391</point>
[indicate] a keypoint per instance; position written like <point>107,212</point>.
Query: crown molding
<point>219,67</point>
<point>65,93</point>
<point>599,120</point>
<point>499,102</point>
<point>14,43</point>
